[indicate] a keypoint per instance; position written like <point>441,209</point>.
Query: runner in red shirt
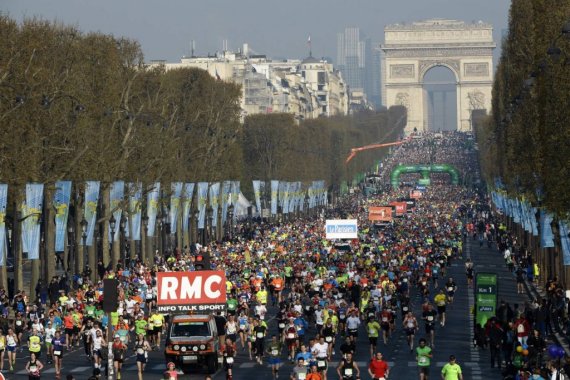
<point>378,368</point>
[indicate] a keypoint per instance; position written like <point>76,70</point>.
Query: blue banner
<point>226,201</point>
<point>176,188</point>
<point>202,199</point>
<point>533,221</point>
<point>3,204</point>
<point>90,213</point>
<point>187,205</point>
<point>31,214</point>
<point>235,197</point>
<point>257,195</point>
<point>152,198</point>
<point>135,210</point>
<point>274,192</point>
<point>546,235</point>
<point>565,242</point>
<point>214,202</point>
<point>117,192</point>
<point>61,199</point>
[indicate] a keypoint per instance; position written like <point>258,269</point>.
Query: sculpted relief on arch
<point>403,99</point>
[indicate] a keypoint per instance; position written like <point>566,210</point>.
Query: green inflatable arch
<point>425,171</point>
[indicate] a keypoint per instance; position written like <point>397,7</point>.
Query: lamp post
<point>230,220</point>
<point>163,232</point>
<point>159,218</point>
<point>112,225</point>
<point>83,224</point>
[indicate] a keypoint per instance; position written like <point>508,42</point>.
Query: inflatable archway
<point>425,171</point>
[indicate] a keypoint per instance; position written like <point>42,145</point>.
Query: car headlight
<point>195,348</point>
<point>202,346</point>
<point>183,349</point>
<point>176,347</point>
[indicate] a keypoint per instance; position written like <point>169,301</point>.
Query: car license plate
<point>190,358</point>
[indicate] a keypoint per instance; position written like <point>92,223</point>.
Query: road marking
<point>80,369</point>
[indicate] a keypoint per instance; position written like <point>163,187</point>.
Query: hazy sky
<point>278,28</point>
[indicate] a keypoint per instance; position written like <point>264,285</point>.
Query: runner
<point>274,349</point>
<point>423,358</point>
<point>378,368</point>
<point>373,328</point>
<point>142,347</point>
<point>429,317</point>
<point>320,352</point>
<point>348,369</point>
<point>34,367</point>
<point>11,345</point>
<point>440,300</point>
<point>451,370</point>
<point>410,324</point>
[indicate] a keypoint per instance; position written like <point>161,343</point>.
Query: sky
<point>277,28</point>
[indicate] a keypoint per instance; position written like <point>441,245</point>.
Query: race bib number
<point>328,339</point>
<point>18,323</point>
<point>140,351</point>
<point>384,319</point>
<point>229,360</point>
<point>423,360</point>
<point>290,336</point>
<point>405,308</point>
<point>348,371</point>
<point>302,376</point>
<point>57,352</point>
<point>321,364</point>
<point>450,289</point>
<point>430,318</point>
<point>282,325</point>
<point>259,335</point>
<point>274,352</point>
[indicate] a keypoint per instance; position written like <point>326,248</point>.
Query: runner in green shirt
<point>373,328</point>
<point>140,325</point>
<point>452,370</point>
<point>423,357</point>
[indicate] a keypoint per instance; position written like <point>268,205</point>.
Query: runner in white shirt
<point>320,351</point>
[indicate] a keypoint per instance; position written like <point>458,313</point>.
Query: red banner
<point>200,291</point>
<point>380,213</point>
<point>400,207</point>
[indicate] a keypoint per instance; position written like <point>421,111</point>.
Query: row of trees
<point>80,107</point>
<point>525,140</point>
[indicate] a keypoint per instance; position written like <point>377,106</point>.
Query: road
<point>455,338</point>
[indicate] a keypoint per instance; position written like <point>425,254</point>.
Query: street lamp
<point>112,225</point>
<point>230,220</point>
<point>196,216</point>
<point>83,224</point>
<point>145,226</point>
<point>71,240</point>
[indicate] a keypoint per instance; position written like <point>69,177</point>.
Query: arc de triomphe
<point>410,50</point>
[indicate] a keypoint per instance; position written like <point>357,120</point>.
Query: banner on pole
<point>257,194</point>
<point>176,188</point>
<point>152,207</point>
<point>226,201</point>
<point>274,192</point>
<point>202,199</point>
<point>214,202</point>
<point>61,199</point>
<point>187,205</point>
<point>91,202</point>
<point>117,192</point>
<point>135,209</point>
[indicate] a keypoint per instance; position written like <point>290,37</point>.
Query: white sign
<point>342,229</point>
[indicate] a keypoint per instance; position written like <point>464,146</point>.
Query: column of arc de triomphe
<point>410,50</point>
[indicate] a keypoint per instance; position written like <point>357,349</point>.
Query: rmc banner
<point>31,213</point>
<point>3,204</point>
<point>61,199</point>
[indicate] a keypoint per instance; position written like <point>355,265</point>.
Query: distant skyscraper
<point>358,64</point>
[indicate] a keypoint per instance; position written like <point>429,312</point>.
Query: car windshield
<point>186,329</point>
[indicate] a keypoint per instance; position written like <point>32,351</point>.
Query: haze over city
<point>165,29</point>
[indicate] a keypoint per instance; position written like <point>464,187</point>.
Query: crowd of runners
<point>328,295</point>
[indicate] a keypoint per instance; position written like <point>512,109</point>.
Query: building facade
<point>307,89</point>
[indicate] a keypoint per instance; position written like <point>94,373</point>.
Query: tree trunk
<point>34,280</point>
<point>17,247</point>
<point>49,236</point>
<point>92,252</point>
<point>107,215</point>
<point>4,277</point>
<point>79,248</point>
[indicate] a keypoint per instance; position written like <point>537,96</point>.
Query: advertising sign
<point>400,207</point>
<point>410,204</point>
<point>416,194</point>
<point>187,292</point>
<point>380,213</point>
<point>485,297</point>
<point>342,229</point>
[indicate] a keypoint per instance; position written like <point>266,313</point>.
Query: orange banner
<point>400,207</point>
<point>380,213</point>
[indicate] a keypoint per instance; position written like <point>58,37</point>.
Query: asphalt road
<point>455,338</point>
